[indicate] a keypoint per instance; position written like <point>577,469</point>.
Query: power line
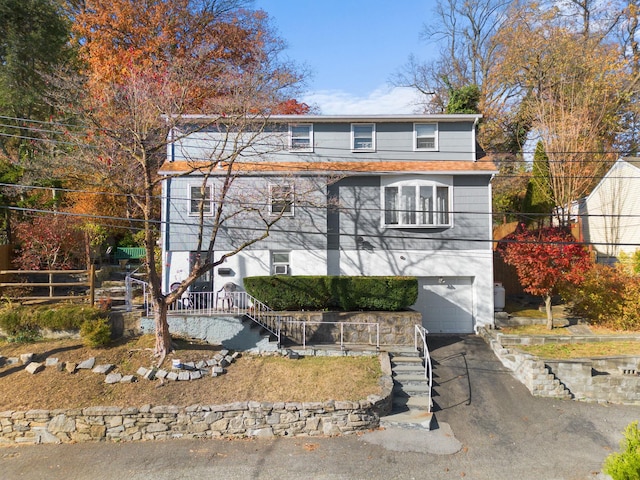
<point>277,230</point>
<point>328,148</point>
<point>308,206</point>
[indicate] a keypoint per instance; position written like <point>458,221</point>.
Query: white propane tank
<point>498,297</point>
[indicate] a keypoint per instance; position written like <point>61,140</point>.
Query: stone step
<point>409,378</point>
<point>416,402</point>
<point>411,369</point>
<point>409,353</point>
<point>408,390</point>
<point>410,419</point>
<point>406,361</point>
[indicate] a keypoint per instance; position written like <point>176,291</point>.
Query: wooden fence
<point>51,284</point>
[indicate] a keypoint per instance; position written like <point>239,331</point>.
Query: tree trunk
<point>547,307</point>
<point>163,337</point>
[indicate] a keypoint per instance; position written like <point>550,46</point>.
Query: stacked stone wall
<point>604,380</point>
<point>234,420</point>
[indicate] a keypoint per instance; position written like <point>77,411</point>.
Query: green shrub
<point>24,323</point>
<point>290,293</point>
<point>18,327</point>
<point>377,293</point>
<point>333,292</point>
<point>625,465</point>
<point>96,333</point>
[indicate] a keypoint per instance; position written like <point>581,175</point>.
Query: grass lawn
<point>563,351</point>
<point>251,377</point>
<point>575,350</point>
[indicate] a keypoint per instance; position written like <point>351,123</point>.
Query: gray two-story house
<point>352,195</point>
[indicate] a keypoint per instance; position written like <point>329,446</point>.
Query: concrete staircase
<point>410,392</point>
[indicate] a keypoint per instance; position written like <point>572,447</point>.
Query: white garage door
<point>446,304</point>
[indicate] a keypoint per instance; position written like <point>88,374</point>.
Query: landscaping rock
<point>26,358</point>
<point>189,366</point>
<point>34,367</point>
<point>161,374</point>
<point>51,362</point>
<point>128,379</point>
<point>195,375</point>
<point>217,371</point>
<point>103,369</point>
<point>113,378</point>
<point>172,376</point>
<point>201,364</point>
<point>150,374</point>
<point>71,367</point>
<point>12,360</point>
<point>87,364</point>
<point>142,371</point>
<point>182,376</point>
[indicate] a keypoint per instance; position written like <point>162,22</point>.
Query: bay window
<point>417,203</point>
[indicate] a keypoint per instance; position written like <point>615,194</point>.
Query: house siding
<point>609,213</point>
<point>337,226</point>
<point>332,141</point>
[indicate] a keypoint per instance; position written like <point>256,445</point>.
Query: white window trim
<point>286,264</point>
<point>308,149</point>
<point>195,213</point>
<point>272,186</point>
<point>373,137</point>
<point>415,137</point>
<point>417,181</point>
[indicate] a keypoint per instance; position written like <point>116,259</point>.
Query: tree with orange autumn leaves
<point>147,65</point>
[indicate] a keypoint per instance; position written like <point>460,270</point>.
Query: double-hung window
<point>425,136</point>
<point>363,137</point>
<point>301,137</point>
<point>417,203</point>
<point>281,198</point>
<point>200,199</point>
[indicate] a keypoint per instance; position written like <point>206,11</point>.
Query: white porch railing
<point>241,303</point>
<point>235,303</point>
<point>420,341</point>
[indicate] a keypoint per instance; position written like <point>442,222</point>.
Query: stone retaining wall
<point>240,419</point>
<point>396,328</point>
<point>613,380</point>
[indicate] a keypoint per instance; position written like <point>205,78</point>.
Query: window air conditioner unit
<point>281,269</point>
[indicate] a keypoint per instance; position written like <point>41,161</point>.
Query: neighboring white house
<point>610,215</point>
<point>383,195</point>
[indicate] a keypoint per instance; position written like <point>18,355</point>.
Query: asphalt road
<point>501,430</point>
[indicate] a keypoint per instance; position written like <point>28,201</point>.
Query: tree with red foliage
<point>49,243</point>
<point>543,259</point>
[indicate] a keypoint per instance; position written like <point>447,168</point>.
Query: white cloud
<point>397,100</point>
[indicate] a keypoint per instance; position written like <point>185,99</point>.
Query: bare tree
<point>464,30</point>
<point>132,107</point>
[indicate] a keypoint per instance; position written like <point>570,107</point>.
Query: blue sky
<point>353,48</point>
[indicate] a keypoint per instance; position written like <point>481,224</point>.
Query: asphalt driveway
<point>504,433</point>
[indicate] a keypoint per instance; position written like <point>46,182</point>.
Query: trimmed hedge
<point>334,293</point>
